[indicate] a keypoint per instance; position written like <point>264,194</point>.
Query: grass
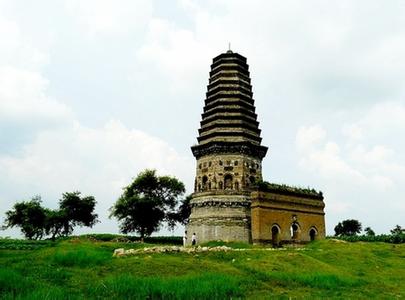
<point>207,286</point>
<point>81,268</point>
<point>234,245</point>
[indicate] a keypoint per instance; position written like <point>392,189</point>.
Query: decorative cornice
<point>218,203</point>
<point>244,221</point>
<point>246,148</point>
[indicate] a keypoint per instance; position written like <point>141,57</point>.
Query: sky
<point>92,92</point>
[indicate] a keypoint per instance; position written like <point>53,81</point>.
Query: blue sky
<point>94,91</point>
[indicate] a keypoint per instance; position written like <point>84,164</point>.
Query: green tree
<point>369,231</point>
<point>397,230</point>
<point>54,224</point>
<point>347,227</point>
<point>74,210</point>
<point>181,215</point>
<point>30,216</point>
<point>147,202</point>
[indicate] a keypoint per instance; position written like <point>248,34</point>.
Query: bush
<point>14,244</point>
<point>385,238</point>
<point>107,237</point>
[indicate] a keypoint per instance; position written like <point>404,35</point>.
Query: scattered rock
<point>190,250</point>
<point>338,241</point>
<point>119,252</point>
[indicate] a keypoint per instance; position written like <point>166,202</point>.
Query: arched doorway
<point>275,234</point>
<point>312,234</point>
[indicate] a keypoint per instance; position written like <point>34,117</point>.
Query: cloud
<point>25,107</point>
<point>110,16</point>
<point>361,176</point>
<point>307,137</point>
<point>46,149</point>
<point>23,97</point>
<point>175,52</point>
<point>96,161</point>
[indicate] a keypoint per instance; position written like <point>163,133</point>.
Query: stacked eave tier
<point>229,113</point>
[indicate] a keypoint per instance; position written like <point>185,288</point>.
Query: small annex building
<point>230,200</point>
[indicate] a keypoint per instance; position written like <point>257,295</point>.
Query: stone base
<point>225,218</point>
<point>228,231</point>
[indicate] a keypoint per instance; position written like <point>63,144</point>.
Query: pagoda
<point>229,154</point>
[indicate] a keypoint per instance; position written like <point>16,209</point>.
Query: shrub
<point>14,244</point>
<point>385,238</point>
<point>107,237</point>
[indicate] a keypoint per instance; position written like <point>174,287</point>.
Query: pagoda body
<point>229,155</point>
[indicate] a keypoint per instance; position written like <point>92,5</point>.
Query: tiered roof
<point>229,122</point>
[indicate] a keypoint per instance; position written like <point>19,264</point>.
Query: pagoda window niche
<point>228,182</point>
<point>204,182</point>
<point>237,185</point>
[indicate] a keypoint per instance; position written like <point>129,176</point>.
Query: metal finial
<point>229,48</point>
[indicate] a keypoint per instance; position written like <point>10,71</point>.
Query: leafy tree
<point>397,230</point>
<point>147,202</point>
<point>369,231</point>
<point>30,216</point>
<point>182,214</point>
<point>55,220</point>
<point>348,227</point>
<point>36,221</point>
<point>184,211</point>
<point>74,210</point>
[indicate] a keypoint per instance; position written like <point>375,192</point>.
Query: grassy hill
<point>80,268</point>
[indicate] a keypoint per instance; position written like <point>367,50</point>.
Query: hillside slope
<point>84,269</point>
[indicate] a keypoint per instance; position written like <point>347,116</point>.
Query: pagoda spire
<point>229,121</point>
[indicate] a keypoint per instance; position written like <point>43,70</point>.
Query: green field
<point>79,268</point>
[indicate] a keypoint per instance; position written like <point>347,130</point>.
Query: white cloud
<point>23,97</point>
<point>307,137</point>
<point>353,131</point>
<point>175,52</point>
<point>110,16</point>
<point>45,149</point>
<point>362,171</point>
<point>96,161</point>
